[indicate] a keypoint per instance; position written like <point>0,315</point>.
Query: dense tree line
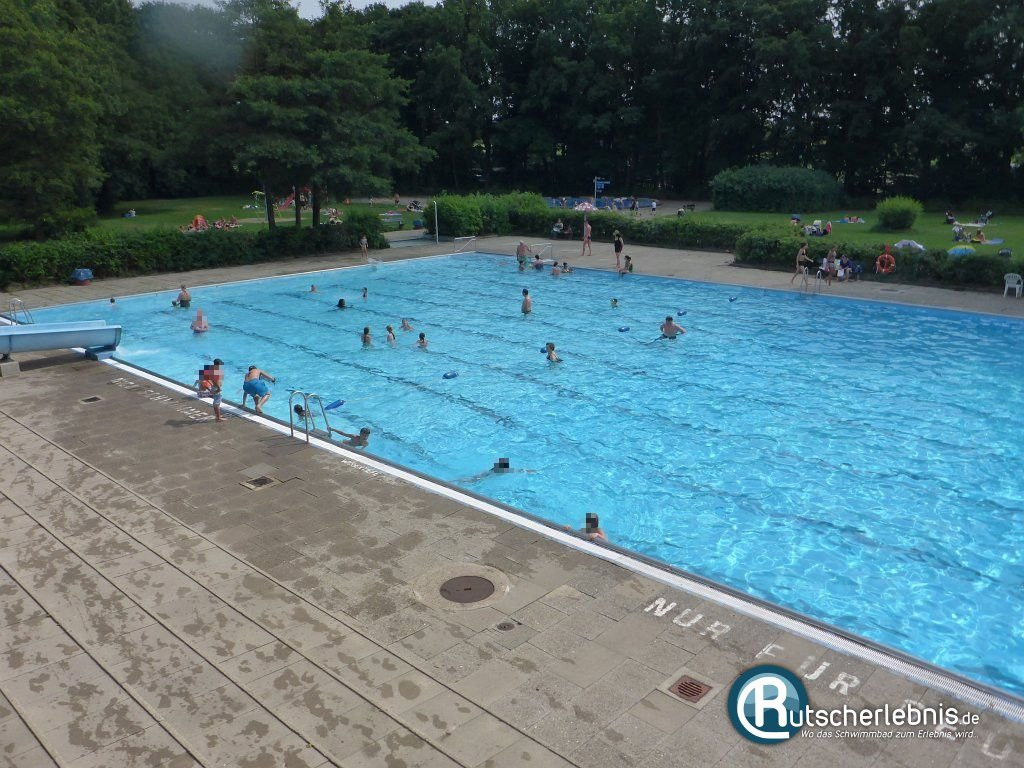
<point>101,100</point>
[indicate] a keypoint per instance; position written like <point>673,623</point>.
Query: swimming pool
<point>856,461</point>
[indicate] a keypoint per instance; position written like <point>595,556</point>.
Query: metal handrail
<point>14,305</point>
<point>308,399</point>
<point>470,239</point>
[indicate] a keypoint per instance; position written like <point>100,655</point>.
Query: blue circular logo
<point>766,704</point>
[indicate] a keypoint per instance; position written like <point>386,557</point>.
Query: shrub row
<point>529,214</point>
<point>119,254</point>
<point>788,189</point>
<point>766,249</point>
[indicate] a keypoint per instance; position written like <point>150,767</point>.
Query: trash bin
<point>81,276</point>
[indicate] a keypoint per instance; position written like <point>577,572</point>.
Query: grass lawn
<point>174,213</point>
<point>930,230</point>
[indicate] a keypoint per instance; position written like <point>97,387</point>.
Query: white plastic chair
<point>1014,281</point>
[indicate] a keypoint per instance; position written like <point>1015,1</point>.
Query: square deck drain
<point>688,689</point>
<point>691,688</point>
<point>93,399</point>
<point>259,483</point>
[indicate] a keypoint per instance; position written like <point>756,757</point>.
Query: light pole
<point>435,222</point>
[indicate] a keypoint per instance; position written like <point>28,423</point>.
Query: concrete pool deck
<point>157,612</point>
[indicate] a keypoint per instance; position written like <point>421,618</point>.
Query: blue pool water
<point>860,462</point>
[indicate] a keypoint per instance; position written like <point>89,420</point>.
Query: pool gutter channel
<point>978,694</point>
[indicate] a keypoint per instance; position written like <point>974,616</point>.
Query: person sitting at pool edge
<point>591,529</point>
<point>551,354</point>
<point>669,329</point>
<point>255,386</point>
<point>356,441</point>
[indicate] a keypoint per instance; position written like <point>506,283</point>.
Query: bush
<point>787,189</point>
<point>119,254</point>
<point>896,213</point>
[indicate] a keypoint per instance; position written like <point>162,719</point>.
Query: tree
<point>54,64</point>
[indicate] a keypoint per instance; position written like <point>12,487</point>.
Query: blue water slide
<point>98,338</point>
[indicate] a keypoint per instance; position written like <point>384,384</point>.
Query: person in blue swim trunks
<point>255,386</point>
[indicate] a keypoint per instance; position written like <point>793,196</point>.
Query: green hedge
<point>765,249</point>
<point>119,254</point>
<point>788,189</point>
<point>529,214</point>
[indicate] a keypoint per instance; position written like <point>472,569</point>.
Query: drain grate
<point>688,689</point>
<point>506,626</point>
<point>467,589</point>
<point>93,399</point>
<point>260,482</point>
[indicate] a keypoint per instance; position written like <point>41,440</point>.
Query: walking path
<point>156,611</point>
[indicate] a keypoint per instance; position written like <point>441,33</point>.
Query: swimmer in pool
<point>184,299</point>
<point>364,294</point>
<point>391,335</point>
<point>555,270</point>
<point>592,529</point>
<point>501,467</point>
<point>669,329</point>
<point>356,441</point>
<point>566,269</point>
<point>615,303</point>
<point>199,325</point>
<point>551,354</point>
<point>405,324</point>
<point>527,307</point>
<point>537,263</point>
<point>255,386</point>
<point>312,289</point>
<point>365,336</point>
<point>521,250</point>
<point>341,304</point>
<point>422,342</point>
<point>300,412</point>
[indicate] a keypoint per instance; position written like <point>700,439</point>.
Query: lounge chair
<point>1014,281</point>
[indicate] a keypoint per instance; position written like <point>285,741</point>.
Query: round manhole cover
<point>467,589</point>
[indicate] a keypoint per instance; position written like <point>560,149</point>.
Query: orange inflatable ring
<point>885,264</point>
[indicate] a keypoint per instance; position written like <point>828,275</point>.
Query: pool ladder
<point>15,307</point>
<point>308,399</point>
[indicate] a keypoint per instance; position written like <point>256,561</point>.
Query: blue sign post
<point>599,185</point>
